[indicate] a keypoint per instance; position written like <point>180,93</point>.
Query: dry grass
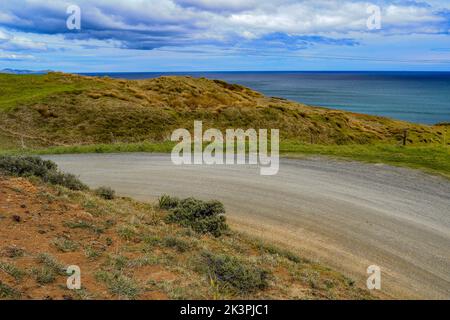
<point>82,110</point>
<point>127,250</point>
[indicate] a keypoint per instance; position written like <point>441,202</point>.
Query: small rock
<point>17,218</point>
<point>23,206</point>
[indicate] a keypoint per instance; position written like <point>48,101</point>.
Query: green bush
<point>202,216</point>
<point>234,273</point>
<point>106,193</point>
<point>167,202</point>
<point>24,166</point>
<point>67,180</point>
<point>176,243</point>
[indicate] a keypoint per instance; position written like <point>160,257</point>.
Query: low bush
<point>235,274</point>
<point>176,243</point>
<point>167,202</point>
<point>67,180</point>
<point>202,216</point>
<point>106,193</point>
<point>24,166</point>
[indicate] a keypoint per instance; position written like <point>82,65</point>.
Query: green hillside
<point>71,113</point>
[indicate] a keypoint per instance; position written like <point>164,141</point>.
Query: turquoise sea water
<point>421,97</point>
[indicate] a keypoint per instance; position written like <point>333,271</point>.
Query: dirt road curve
<point>346,214</point>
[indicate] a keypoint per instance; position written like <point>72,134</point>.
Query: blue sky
<point>202,35</point>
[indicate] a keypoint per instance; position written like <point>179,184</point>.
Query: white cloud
<point>150,24</point>
<point>18,43</point>
<point>223,17</point>
<point>12,56</point>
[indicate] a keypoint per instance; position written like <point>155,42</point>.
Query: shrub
<point>167,202</point>
<point>67,180</point>
<point>234,273</point>
<point>24,166</point>
<point>202,216</point>
<point>176,243</point>
<point>106,193</point>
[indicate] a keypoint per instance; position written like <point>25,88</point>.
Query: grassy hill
<point>58,109</point>
<point>177,249</point>
<point>71,113</point>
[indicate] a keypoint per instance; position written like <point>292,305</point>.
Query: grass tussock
<point>119,284</point>
<point>12,270</point>
<point>8,293</point>
<point>234,274</point>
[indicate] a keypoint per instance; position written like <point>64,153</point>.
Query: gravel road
<point>349,215</point>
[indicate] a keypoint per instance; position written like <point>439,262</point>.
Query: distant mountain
<point>15,71</point>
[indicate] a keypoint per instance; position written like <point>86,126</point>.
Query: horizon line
<point>228,71</point>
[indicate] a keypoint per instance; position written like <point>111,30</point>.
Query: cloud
<point>11,42</point>
<point>139,24</point>
<point>214,34</point>
<point>15,57</point>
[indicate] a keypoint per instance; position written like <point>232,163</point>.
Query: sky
<point>224,35</point>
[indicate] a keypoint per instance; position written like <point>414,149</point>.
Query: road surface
<point>348,215</point>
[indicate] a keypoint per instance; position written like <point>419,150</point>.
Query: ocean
<point>420,97</point>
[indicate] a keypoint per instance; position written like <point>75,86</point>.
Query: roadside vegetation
<point>175,249</point>
<point>434,159</point>
<point>61,113</point>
